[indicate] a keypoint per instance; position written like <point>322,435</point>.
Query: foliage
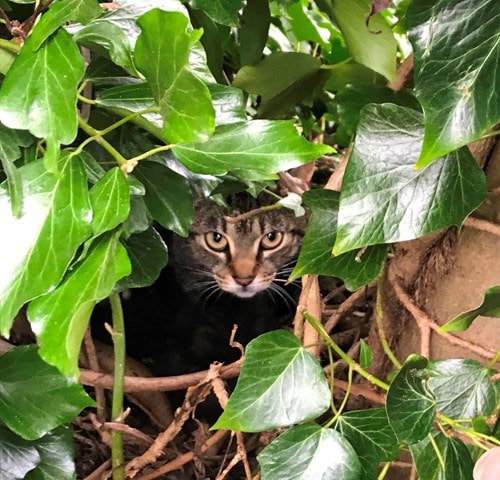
<point>112,120</point>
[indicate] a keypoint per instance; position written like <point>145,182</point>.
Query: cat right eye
<point>216,241</point>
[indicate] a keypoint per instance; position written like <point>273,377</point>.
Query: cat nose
<point>244,281</point>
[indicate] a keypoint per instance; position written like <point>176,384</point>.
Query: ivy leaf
<point>29,411</point>
<point>276,366</point>
<point>229,104</point>
<point>107,36</point>
<point>352,98</point>
<point>139,219</point>
<point>162,55</point>
<point>283,80</point>
<point>463,388</point>
<point>253,31</point>
<point>489,308</point>
<point>385,199</point>
<point>365,354</point>
<point>371,436</point>
<point>220,11</point>
<point>39,93</point>
<point>309,25</point>
<point>56,454</point>
<point>17,455</point>
<point>456,60</point>
<point>457,459</point>
<point>168,196</point>
<point>60,317</point>
<point>261,146</point>
<point>54,221</point>
<point>110,200</point>
<point>10,141</point>
<point>308,452</point>
<point>148,255</point>
<point>410,406</point>
<point>60,12</point>
<point>315,255</point>
<point>376,51</point>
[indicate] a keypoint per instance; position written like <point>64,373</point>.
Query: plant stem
<point>352,364</point>
<point>379,315</point>
<point>466,430</point>
<point>96,136</point>
<point>494,360</point>
<point>9,46</point>
<point>147,154</point>
<point>118,336</point>
<point>344,401</point>
<point>437,451</point>
<point>384,471</point>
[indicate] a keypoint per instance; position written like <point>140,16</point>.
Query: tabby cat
<point>228,271</point>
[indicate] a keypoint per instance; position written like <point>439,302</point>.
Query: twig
<point>98,473</point>
<point>421,316</point>
<point>94,365</point>
<point>156,384</point>
<point>194,396</point>
<point>346,307</point>
<point>242,452</point>
<point>128,430</point>
<point>181,460</point>
<point>364,391</point>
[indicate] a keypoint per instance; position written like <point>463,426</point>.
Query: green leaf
<point>309,25</point>
<point>138,220</point>
<point>463,388</point>
<point>309,452</point>
<point>254,30</point>
<point>458,463</point>
<point>56,453</point>
<point>60,317</point>
<point>39,92</point>
<point>28,411</point>
<point>410,406</point>
<point>375,50</point>
<point>229,104</point>
<point>280,384</point>
<point>456,63</point>
<point>17,456</point>
<point>10,141</point>
<point>489,308</point>
<point>262,146</point>
<point>316,252</point>
<point>365,354</point>
<point>108,37</point>
<point>385,199</point>
<point>162,55</point>
<point>220,11</point>
<point>6,60</point>
<point>55,219</point>
<point>283,80</point>
<point>343,74</point>
<point>352,98</point>
<point>371,436</point>
<point>168,196</point>
<point>110,200</point>
<point>60,12</point>
<point>148,255</point>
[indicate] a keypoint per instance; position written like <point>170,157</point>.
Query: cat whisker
<point>283,294</point>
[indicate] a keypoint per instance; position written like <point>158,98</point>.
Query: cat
<point>229,270</point>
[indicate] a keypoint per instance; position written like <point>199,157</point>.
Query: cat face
<point>244,257</point>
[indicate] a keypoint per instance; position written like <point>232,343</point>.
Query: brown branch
<point>346,307</point>
<point>193,396</point>
<point>181,460</point>
<point>422,317</point>
<point>94,365</point>
<point>98,473</point>
<point>157,384</point>
<point>364,391</point>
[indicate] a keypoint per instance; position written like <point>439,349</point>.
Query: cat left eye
<point>216,241</point>
<point>271,240</point>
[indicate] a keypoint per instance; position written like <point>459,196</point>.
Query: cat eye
<point>216,241</point>
<point>271,240</point>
